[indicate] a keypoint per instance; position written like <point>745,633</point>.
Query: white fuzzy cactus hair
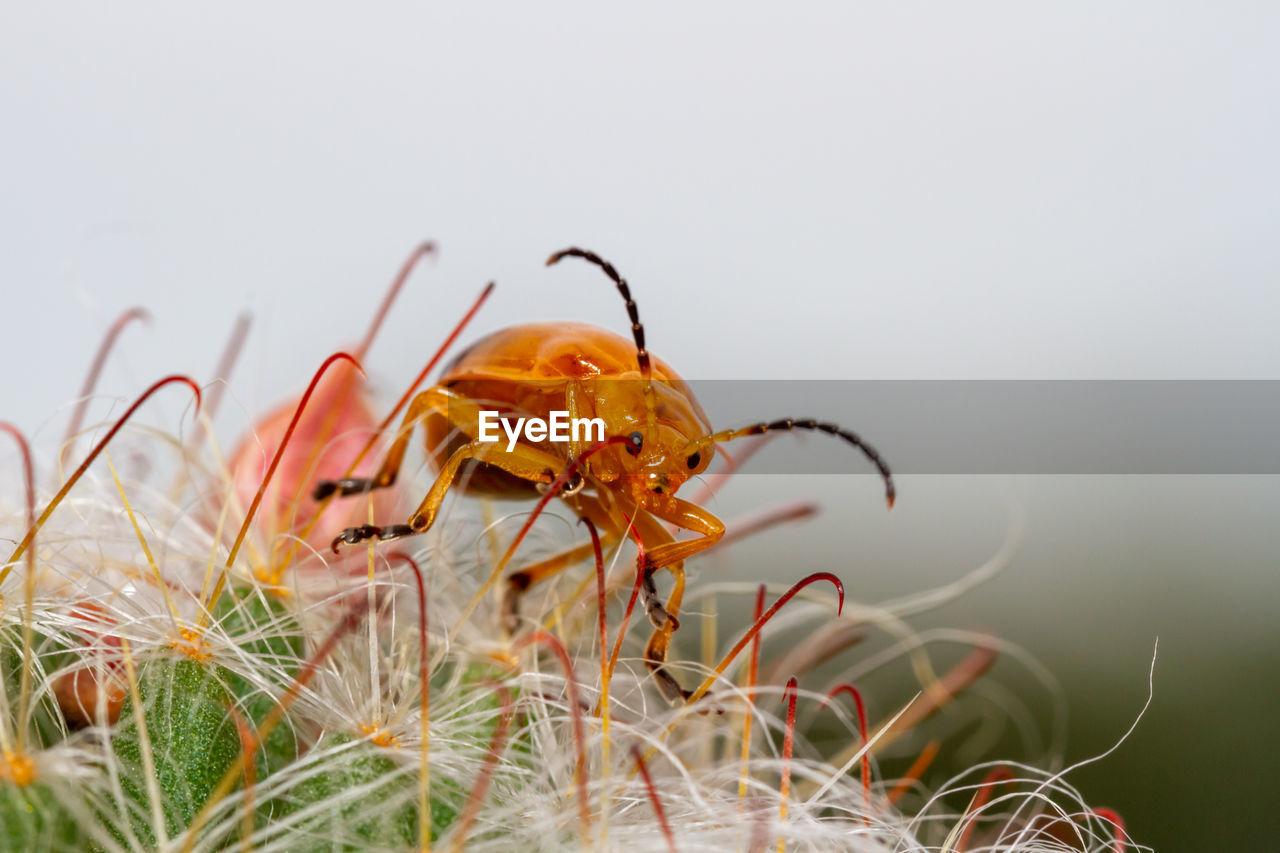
<point>187,666</point>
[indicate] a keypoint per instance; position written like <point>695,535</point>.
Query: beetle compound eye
<point>694,460</point>
<point>635,441</point>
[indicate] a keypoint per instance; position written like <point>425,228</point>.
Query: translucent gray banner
<point>990,427</point>
<point>1016,427</point>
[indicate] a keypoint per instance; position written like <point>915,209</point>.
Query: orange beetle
<point>535,369</point>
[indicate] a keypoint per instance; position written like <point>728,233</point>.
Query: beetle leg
<point>670,554</point>
<point>517,582</point>
<point>522,461</point>
<point>437,398</point>
<point>353,535</point>
<point>686,516</point>
<point>623,515</point>
<point>664,617</point>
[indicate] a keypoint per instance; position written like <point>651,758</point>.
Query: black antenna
<point>637,328</point>
<point>789,424</point>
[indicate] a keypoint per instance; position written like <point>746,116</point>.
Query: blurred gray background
<point>839,191</point>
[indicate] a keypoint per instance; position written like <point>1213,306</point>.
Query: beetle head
<point>653,469</point>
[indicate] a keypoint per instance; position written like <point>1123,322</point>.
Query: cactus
<point>230,691</point>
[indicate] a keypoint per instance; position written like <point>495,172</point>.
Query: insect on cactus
<point>187,666</point>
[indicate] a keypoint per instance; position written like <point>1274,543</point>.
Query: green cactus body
<point>51,653</point>
<point>279,645</point>
<point>385,815</point>
<point>11,666</point>
<point>33,818</point>
<point>193,742</point>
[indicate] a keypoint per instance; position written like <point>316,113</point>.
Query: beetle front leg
<point>671,555</point>
<point>686,516</point>
<point>522,461</point>
<point>664,618</point>
<point>435,399</point>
